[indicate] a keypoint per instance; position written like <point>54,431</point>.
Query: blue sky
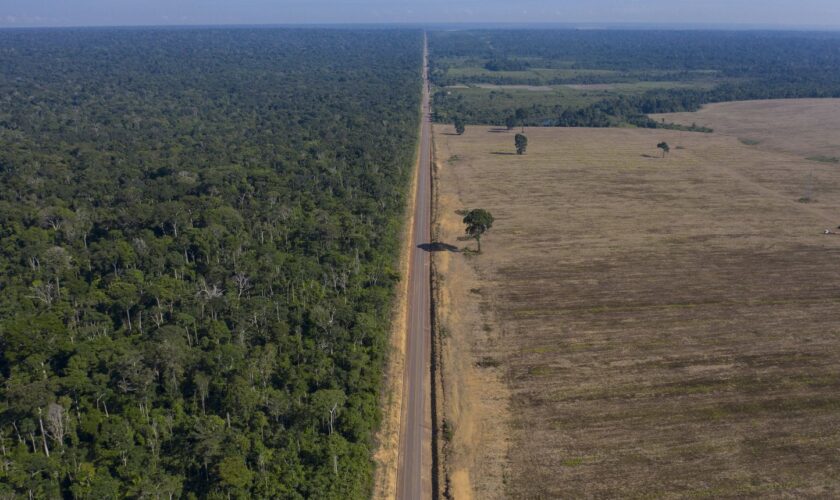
<point>166,12</point>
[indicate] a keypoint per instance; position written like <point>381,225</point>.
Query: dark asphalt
<point>413,482</point>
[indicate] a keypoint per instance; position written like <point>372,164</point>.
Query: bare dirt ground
<point>388,437</point>
<point>805,127</point>
<point>640,327</point>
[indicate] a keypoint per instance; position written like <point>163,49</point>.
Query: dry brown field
<point>639,327</point>
<point>805,127</point>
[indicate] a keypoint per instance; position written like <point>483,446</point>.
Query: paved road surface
<point>414,473</point>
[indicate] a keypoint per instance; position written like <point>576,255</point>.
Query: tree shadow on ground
<point>438,246</point>
<point>498,130</point>
<point>503,153</point>
<point>649,156</point>
<point>449,133</point>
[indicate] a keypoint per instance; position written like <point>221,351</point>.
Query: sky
<point>781,13</point>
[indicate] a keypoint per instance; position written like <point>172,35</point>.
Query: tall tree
<point>664,147</point>
<point>459,125</point>
<point>521,143</point>
<point>478,222</point>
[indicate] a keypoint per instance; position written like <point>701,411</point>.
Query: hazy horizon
<point>781,14</point>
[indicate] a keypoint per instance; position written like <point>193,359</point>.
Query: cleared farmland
<point>805,127</point>
<point>639,326</point>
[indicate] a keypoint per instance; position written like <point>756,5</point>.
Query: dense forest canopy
<point>725,65</point>
<point>197,236</point>
<point>735,53</point>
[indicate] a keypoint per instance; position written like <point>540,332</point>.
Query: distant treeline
<point>634,109</point>
<point>747,65</point>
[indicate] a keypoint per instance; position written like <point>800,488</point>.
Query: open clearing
<point>532,88</point>
<point>638,87</point>
<point>638,326</point>
<point>805,127</point>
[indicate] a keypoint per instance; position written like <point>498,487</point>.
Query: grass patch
<point>824,159</point>
<point>573,462</point>
<point>476,74</point>
<point>542,349</point>
<point>539,371</point>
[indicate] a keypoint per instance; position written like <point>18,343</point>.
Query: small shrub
<point>824,159</point>
<point>447,431</point>
<point>443,332</point>
<point>487,362</point>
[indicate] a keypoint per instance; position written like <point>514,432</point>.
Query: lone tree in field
<point>510,122</point>
<point>478,221</point>
<point>459,125</point>
<point>664,147</point>
<point>521,144</point>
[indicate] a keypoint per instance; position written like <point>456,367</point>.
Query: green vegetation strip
<point>824,159</point>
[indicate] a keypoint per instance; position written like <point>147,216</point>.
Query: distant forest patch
<point>614,77</point>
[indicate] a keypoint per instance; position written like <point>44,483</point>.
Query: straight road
<point>414,472</point>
